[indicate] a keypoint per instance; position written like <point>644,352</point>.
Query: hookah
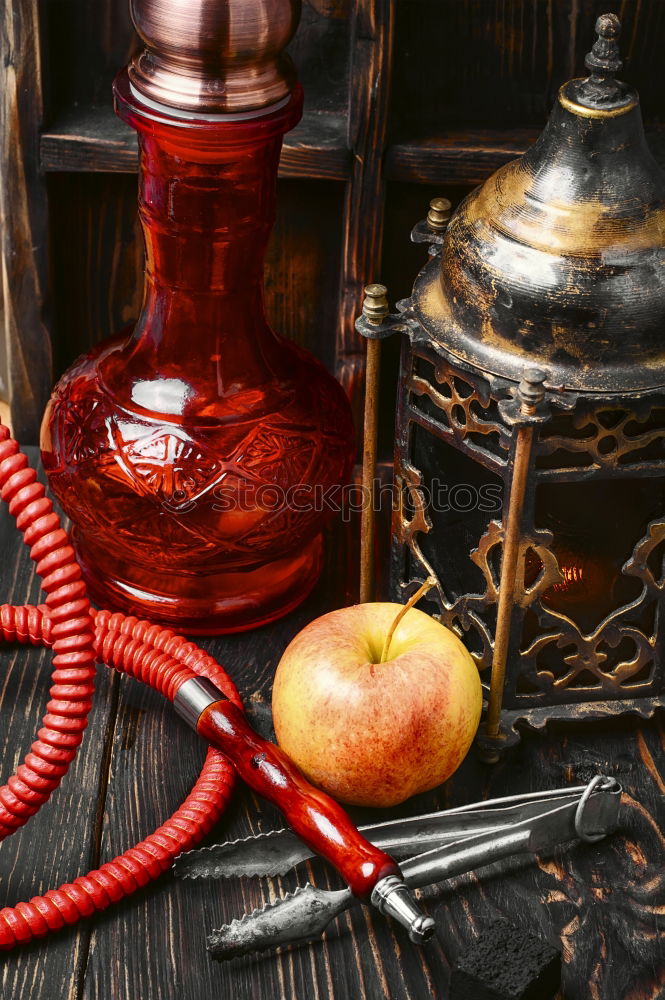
<point>142,433</point>
<point>202,693</point>
<point>188,450</point>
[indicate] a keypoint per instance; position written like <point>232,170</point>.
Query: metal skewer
<point>266,855</point>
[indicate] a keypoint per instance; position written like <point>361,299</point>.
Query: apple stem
<point>427,585</point>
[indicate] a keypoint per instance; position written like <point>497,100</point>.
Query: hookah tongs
<point>466,838</point>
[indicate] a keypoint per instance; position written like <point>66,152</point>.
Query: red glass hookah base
<point>206,604</point>
<point>174,447</point>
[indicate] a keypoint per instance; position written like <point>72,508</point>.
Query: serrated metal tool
<point>460,840</point>
<point>267,855</point>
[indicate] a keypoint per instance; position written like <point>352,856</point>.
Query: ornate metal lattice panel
<point>559,666</point>
<point>457,405</point>
<point>605,436</point>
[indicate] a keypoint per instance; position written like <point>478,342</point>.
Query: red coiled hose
<point>79,636</point>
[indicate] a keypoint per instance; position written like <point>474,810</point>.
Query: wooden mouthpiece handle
<point>316,818</point>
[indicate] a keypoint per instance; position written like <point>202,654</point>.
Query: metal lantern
<point>531,421</point>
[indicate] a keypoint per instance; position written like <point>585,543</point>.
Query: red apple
<point>374,733</point>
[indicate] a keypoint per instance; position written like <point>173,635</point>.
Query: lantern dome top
<point>558,259</point>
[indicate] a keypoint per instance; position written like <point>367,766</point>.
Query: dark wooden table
<point>604,903</point>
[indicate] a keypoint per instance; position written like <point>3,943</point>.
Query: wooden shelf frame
<point>94,140</point>
<point>350,146</point>
<point>345,147</point>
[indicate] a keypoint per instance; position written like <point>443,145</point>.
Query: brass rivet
<point>531,390</point>
<point>375,306</point>
<point>438,217</point>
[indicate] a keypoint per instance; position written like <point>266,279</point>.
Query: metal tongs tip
<point>446,844</point>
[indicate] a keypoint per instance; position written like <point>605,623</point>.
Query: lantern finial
<point>603,62</point>
<point>604,59</point>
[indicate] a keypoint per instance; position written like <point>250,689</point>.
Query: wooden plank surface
<point>604,902</point>
<point>62,840</point>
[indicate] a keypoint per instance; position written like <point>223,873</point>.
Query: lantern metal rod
<point>530,392</point>
<point>375,324</point>
<point>367,517</point>
<point>511,549</point>
<point>372,325</point>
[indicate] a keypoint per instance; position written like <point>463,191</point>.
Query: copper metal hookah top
<point>559,258</point>
<point>214,57</point>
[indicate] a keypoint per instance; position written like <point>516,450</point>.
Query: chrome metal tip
<point>194,696</point>
<point>392,897</point>
<point>421,930</point>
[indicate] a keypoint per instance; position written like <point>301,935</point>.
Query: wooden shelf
<point>456,157</point>
<point>469,157</point>
<point>94,140</point>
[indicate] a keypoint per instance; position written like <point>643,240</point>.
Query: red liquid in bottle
<point>192,452</point>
